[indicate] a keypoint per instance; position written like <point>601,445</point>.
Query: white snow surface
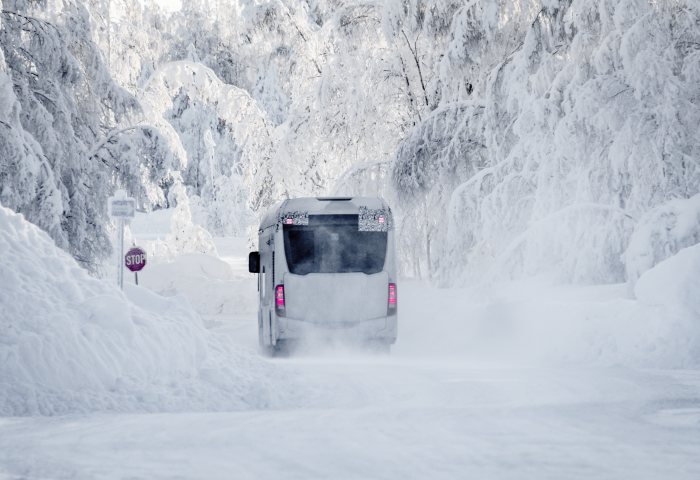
<point>416,420</point>
<point>518,380</point>
<point>674,284</point>
<point>70,343</point>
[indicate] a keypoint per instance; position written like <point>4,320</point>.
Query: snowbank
<point>178,265</point>
<point>536,322</point>
<point>674,284</point>
<point>208,283</point>
<point>72,343</point>
<point>661,233</point>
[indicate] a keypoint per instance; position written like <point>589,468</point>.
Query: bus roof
<point>322,206</point>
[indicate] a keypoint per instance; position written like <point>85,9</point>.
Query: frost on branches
<point>587,123</point>
<point>59,99</point>
<point>512,138</point>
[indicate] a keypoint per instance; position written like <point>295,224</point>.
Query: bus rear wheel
<point>283,348</point>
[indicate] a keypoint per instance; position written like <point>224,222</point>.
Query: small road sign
<point>135,259</point>
<point>122,207</point>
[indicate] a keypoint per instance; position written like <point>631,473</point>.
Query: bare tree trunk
<point>109,35</point>
<point>411,99</point>
<point>427,250</point>
<point>414,52</point>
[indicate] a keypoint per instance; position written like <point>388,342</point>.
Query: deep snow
<point>521,380</point>
<point>394,418</point>
<point>70,343</point>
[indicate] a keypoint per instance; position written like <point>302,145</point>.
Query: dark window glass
<point>333,244</point>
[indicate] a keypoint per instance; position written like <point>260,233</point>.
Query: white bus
<point>326,269</point>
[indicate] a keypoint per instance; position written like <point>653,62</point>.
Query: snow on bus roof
<point>321,206</point>
<point>331,205</point>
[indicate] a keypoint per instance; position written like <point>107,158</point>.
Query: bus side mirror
<point>254,262</point>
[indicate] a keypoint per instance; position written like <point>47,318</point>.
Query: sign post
<point>122,209</point>
<point>135,260</point>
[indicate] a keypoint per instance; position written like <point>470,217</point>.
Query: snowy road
<point>470,391</point>
<point>394,419</point>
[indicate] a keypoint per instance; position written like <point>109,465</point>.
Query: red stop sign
<point>135,259</point>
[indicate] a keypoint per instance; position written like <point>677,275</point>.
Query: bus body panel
<point>333,298</point>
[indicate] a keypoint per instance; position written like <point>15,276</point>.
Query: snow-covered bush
<point>661,233</point>
<point>186,236</point>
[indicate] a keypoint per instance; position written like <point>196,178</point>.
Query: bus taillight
<point>279,300</point>
<point>392,299</point>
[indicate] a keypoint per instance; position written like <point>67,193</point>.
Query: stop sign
<point>135,259</point>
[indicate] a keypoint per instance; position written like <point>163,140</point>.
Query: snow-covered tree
<point>65,100</point>
<point>512,137</point>
<point>567,138</point>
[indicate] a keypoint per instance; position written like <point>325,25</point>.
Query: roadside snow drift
<point>72,343</point>
<point>536,322</point>
<point>207,282</point>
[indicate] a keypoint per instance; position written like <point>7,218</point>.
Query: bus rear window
<point>333,244</point>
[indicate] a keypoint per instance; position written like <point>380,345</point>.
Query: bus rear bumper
<point>382,328</point>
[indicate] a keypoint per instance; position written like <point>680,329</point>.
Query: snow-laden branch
<point>359,168</point>
<point>94,150</point>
